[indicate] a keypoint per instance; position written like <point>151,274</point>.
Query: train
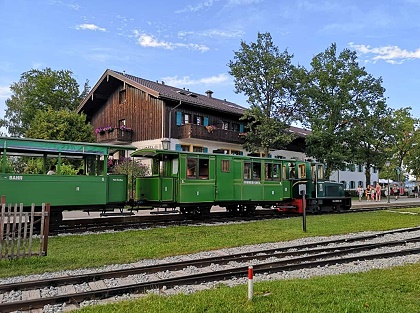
<point>194,182</point>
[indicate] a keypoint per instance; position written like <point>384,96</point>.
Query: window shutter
<point>178,147</point>
<point>241,128</point>
<point>206,121</point>
<point>178,118</point>
<point>205,149</point>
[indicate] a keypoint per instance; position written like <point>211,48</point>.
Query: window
<point>198,120</point>
<point>225,125</point>
<point>344,184</point>
<point>156,166</point>
<point>225,166</point>
<point>122,96</point>
<point>360,169</point>
<point>203,168</point>
<point>375,169</point>
<point>352,184</point>
<point>272,172</point>
<point>197,149</point>
<point>187,118</point>
<point>192,168</point>
<point>351,167</point>
<point>320,172</point>
<point>185,148</point>
<point>252,170</point>
<point>302,171</point>
<point>235,127</point>
<point>360,183</point>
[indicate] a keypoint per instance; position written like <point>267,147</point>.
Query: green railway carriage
<point>96,189</point>
<point>195,182</point>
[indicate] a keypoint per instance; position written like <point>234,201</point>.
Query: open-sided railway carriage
<point>195,182</point>
<point>96,189</point>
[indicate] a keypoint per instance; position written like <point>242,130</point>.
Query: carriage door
<point>224,178</point>
<point>166,180</point>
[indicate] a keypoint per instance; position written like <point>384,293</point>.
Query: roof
<point>56,146</point>
<point>111,79</point>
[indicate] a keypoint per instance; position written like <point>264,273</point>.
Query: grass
<point>395,290</point>
<point>83,251</point>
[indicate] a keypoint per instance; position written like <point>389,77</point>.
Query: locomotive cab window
<point>302,171</point>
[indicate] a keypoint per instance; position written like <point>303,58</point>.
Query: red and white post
<point>250,282</point>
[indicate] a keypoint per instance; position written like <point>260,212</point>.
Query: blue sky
<point>188,43</point>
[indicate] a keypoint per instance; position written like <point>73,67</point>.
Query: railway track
<point>74,289</point>
<point>124,222</point>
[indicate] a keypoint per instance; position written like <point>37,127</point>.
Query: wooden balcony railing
<point>116,136</point>
<point>201,132</point>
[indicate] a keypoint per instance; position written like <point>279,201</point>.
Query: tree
<point>60,125</point>
<point>267,78</point>
<point>404,141</point>
<point>38,90</point>
<point>335,93</point>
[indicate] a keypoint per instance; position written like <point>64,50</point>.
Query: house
<point>126,109</point>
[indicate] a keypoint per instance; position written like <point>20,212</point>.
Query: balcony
<point>201,132</point>
<point>117,136</point>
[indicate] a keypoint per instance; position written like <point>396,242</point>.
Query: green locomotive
<point>95,189</point>
<point>195,182</point>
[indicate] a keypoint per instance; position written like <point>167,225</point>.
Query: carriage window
<point>302,171</point>
<point>252,171</point>
<point>247,171</point>
<point>156,166</point>
<point>225,166</point>
<point>191,168</point>
<point>272,172</point>
<point>203,168</point>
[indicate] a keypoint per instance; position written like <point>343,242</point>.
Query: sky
<point>189,43</point>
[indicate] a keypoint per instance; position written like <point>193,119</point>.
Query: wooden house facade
<point>126,109</point>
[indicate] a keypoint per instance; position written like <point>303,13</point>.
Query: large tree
<point>38,90</point>
<point>267,78</point>
<point>60,125</point>
<point>403,143</point>
<point>335,93</point>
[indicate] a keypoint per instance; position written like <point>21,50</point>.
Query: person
<point>52,170</point>
<point>367,192</point>
<point>416,191</point>
<point>292,173</point>
<point>396,191</point>
<point>360,192</point>
<point>378,192</point>
<point>372,193</point>
<point>80,172</point>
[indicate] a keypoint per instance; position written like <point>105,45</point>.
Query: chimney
<point>163,83</point>
<point>209,93</point>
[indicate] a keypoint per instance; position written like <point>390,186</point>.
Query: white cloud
<point>197,7</point>
<point>212,33</point>
<point>90,27</point>
<point>187,81</point>
<point>149,41</point>
<point>390,54</point>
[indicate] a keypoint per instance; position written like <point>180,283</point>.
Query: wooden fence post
<point>46,227</point>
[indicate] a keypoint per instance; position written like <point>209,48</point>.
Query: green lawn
<point>391,290</point>
<point>71,252</point>
<point>395,290</point>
